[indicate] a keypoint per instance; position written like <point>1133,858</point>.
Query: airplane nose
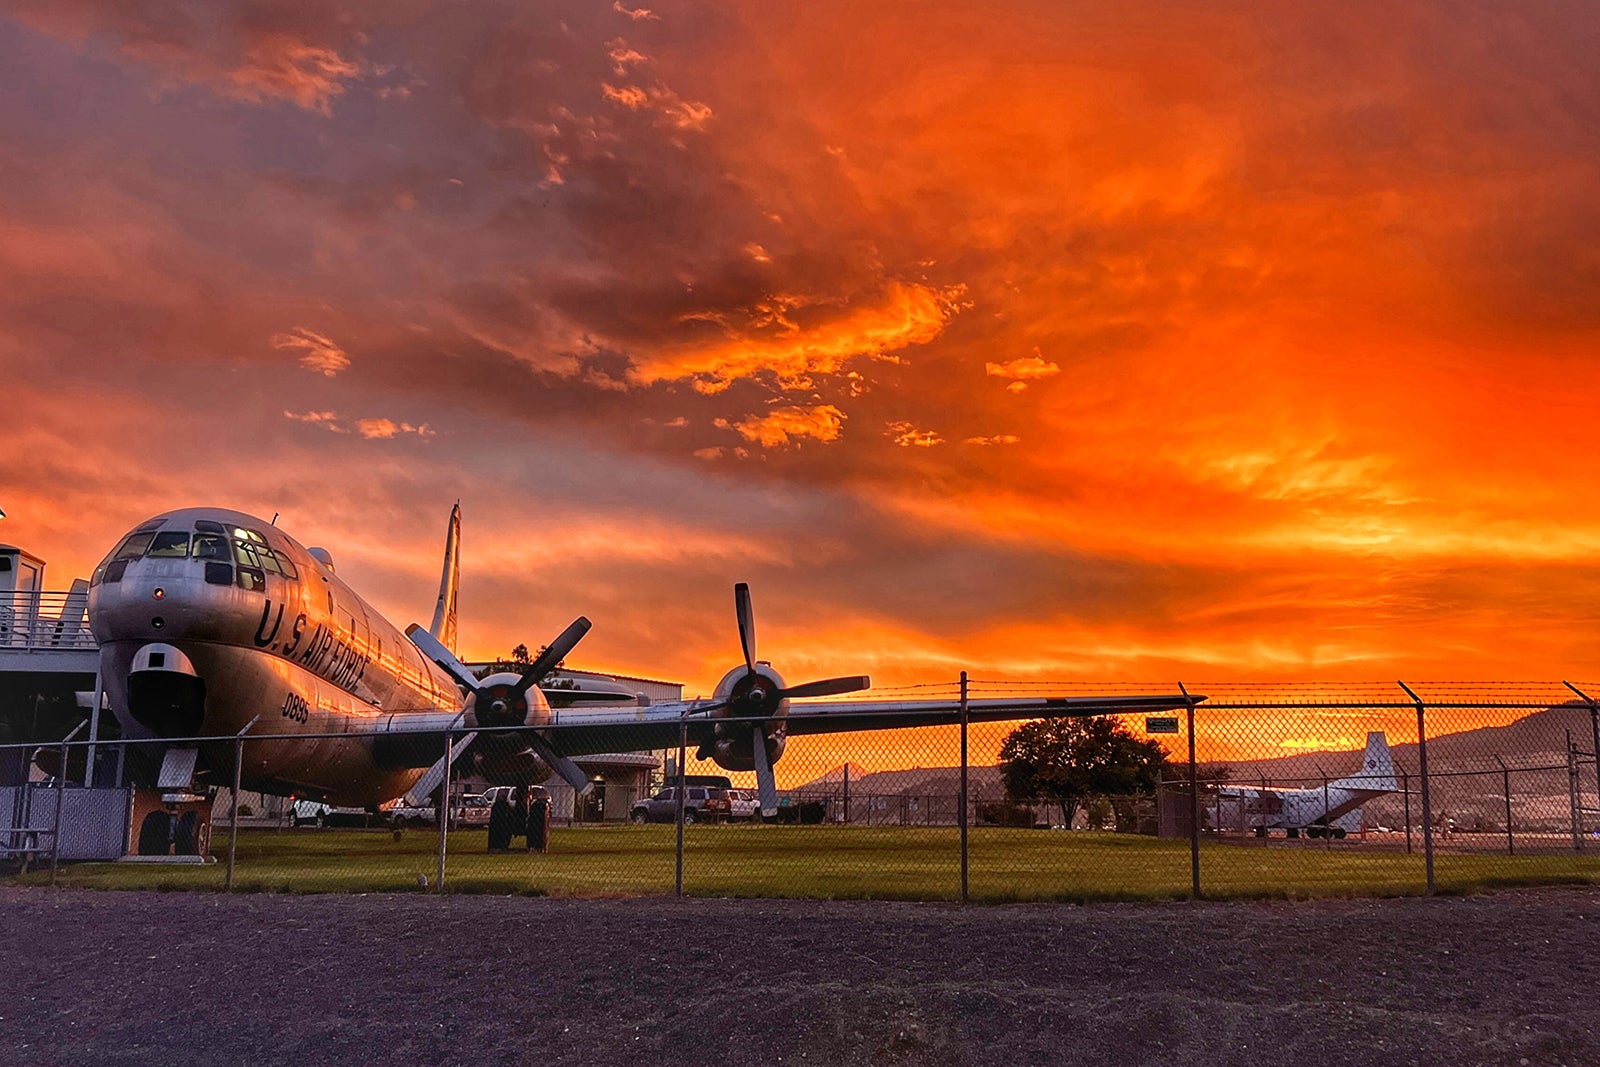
<point>165,693</point>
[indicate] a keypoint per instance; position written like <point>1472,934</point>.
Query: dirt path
<point>144,978</point>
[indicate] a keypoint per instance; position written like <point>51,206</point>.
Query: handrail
<point>45,621</point>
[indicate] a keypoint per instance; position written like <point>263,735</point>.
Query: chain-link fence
<point>1253,791</point>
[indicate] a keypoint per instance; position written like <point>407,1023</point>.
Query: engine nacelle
<point>505,758</point>
<point>493,704</point>
<point>752,708</point>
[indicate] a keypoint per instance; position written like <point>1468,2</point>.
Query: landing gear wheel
<point>1338,833</point>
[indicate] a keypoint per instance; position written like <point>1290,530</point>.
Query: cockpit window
<point>286,565</point>
<point>134,546</point>
<point>170,544</point>
<point>207,526</point>
<point>244,553</point>
<point>211,546</point>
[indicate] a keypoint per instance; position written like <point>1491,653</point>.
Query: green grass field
<point>826,862</point>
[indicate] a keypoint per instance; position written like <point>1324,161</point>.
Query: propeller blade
<point>563,766</point>
<point>423,787</point>
<point>766,784</point>
<point>747,624</point>
<point>435,650</point>
<point>828,687</point>
<point>552,655</point>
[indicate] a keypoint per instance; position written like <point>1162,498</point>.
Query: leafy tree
<point>1068,760</point>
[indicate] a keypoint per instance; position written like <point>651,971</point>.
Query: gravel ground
<point>150,978</point>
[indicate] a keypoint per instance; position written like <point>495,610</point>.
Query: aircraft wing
<point>586,731</point>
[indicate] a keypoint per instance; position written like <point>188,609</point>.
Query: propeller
<point>553,654</point>
<point>746,614</point>
<point>754,697</point>
<point>498,702</point>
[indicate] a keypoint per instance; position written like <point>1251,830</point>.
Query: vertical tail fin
<point>444,615</point>
<point>1377,767</point>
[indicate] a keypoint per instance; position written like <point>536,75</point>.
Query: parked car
<point>474,810</point>
<point>495,792</point>
<point>743,805</point>
<point>308,813</point>
<point>663,807</point>
<point>404,814</point>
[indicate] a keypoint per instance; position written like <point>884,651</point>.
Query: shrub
<point>1005,813</point>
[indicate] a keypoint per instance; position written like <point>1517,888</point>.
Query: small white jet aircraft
<point>211,622</point>
<point>1314,810</point>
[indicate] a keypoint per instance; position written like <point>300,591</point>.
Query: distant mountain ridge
<point>1535,739</point>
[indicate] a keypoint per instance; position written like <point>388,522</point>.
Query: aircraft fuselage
<point>208,619</point>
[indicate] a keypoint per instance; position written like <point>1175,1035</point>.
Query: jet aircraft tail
<point>444,615</point>
<point>1377,768</point>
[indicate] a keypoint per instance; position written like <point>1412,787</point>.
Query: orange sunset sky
<point>1053,341</point>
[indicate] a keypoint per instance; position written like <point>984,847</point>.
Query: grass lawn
<point>901,863</point>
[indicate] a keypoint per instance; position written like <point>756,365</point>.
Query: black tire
<point>639,816</point>
<point>688,816</point>
<point>1339,833</point>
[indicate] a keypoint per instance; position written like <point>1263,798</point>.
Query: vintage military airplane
<point>211,622</point>
<point>1315,810</point>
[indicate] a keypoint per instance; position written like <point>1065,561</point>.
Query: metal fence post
<point>1594,725</point>
<point>1327,824</point>
<point>61,799</point>
<point>1505,777</point>
<point>1427,804</point>
<point>233,822</point>
<point>444,808</point>
<point>94,729</point>
<point>683,754</point>
<point>847,790</point>
<point>1405,785</point>
<point>1572,794</point>
<point>1194,804</point>
<point>964,712</point>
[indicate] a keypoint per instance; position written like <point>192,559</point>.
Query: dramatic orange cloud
<point>782,425</point>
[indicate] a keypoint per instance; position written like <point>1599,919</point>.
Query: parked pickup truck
<point>743,805</point>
